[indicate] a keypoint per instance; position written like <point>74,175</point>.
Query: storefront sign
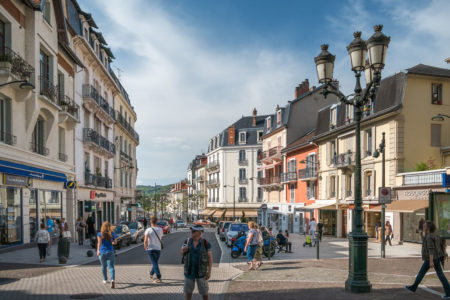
<point>412,194</point>
<point>16,180</point>
<point>94,195</point>
<point>28,171</point>
<point>71,185</point>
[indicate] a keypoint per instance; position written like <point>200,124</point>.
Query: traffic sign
<point>384,195</point>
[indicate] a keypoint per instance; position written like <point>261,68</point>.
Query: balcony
<point>307,174</point>
<point>271,183</point>
<point>433,177</point>
<point>62,157</point>
<point>344,160</point>
<point>242,199</point>
<point>98,143</point>
<point>348,193</point>
<point>96,103</point>
<point>271,155</point>
<point>97,180</point>
<point>48,90</point>
<point>200,179</point>
<point>243,162</point>
<point>213,165</point>
<point>125,156</point>
<point>127,126</point>
<point>69,107</point>
<point>14,66</point>
<point>243,181</point>
<point>39,149</point>
<point>7,138</point>
<point>212,183</point>
<point>289,177</point>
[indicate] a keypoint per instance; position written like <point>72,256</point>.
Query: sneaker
<point>407,288</point>
<point>105,281</point>
<point>157,280</point>
<point>113,284</point>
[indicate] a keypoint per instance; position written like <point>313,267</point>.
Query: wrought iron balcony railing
<point>122,121</point>
<point>39,149</point>
<point>344,160</point>
<point>62,156</point>
<point>269,180</point>
<point>8,138</point>
<point>243,162</point>
<point>48,89</point>
<point>92,136</point>
<point>243,181</point>
<point>68,105</point>
<point>289,177</point>
<point>307,173</point>
<point>18,66</point>
<point>90,92</point>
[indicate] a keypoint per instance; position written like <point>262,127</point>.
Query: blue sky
<point>193,67</point>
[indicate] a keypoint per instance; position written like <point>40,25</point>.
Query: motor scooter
<point>238,247</point>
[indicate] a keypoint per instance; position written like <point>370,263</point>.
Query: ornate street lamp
<point>24,84</point>
<point>376,45</point>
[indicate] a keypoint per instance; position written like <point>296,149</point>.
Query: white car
<point>233,231</point>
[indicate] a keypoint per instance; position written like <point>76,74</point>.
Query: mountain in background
<point>150,189</point>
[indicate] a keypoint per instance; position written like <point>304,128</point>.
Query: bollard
<point>317,244</point>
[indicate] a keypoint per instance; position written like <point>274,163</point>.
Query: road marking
<point>427,289</point>
<point>431,273</point>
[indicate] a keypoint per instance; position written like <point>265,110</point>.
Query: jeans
<point>42,250</point>
<point>107,260</point>
<point>80,238</point>
<point>251,251</point>
<point>440,274</point>
<point>388,238</point>
<point>154,257</point>
<point>313,237</point>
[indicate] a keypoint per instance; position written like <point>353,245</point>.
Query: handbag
<point>162,246</point>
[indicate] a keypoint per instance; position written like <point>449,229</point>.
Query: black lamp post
<point>376,45</point>
<point>440,117</point>
<point>376,153</point>
<point>24,84</point>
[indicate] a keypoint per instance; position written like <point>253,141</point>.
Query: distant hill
<point>150,189</point>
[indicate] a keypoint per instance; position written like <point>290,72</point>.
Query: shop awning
<point>405,206</point>
<point>28,171</point>
<point>324,205</point>
<point>251,213</point>
<point>207,212</point>
<point>218,213</point>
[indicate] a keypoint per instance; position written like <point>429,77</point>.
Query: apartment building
<point>233,189</point>
<point>403,109</point>
<point>178,201</point>
<point>37,118</point>
<point>196,187</point>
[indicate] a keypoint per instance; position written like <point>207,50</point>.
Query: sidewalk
<point>325,279</point>
<point>77,256</point>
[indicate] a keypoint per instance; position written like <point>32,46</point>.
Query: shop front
<point>28,195</point>
<point>98,204</point>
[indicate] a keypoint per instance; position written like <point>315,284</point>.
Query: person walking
<point>144,222</point>
<point>197,259</point>
<point>251,244</point>
<point>80,230</point>
<point>49,225</point>
<point>90,222</point>
<point>312,230</point>
<point>153,246</point>
<point>433,253</point>
<point>388,232</point>
<point>106,239</point>
<point>42,240</point>
<point>259,249</point>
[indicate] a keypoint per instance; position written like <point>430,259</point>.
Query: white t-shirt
<point>153,242</point>
<point>312,226</point>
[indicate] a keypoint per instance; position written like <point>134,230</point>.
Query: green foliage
<point>422,166</point>
<point>150,189</point>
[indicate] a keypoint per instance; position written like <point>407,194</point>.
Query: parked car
<point>224,230</point>
<point>180,224</point>
<point>164,225</point>
<point>123,236</point>
<point>233,231</point>
<point>137,231</point>
<point>205,223</point>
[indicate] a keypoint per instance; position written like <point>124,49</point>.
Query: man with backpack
<point>197,259</point>
<point>153,246</point>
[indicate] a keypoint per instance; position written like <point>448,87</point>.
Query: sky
<point>194,67</point>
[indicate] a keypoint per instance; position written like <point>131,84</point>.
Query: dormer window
<point>268,123</point>
<point>349,113</point>
<point>333,116</point>
<point>279,117</point>
<point>260,134</point>
<point>242,137</point>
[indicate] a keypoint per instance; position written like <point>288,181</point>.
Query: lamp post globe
<point>325,65</point>
<point>357,50</point>
<point>368,72</point>
<point>377,45</point>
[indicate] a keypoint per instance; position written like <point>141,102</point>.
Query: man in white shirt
<point>153,246</point>
<point>312,229</point>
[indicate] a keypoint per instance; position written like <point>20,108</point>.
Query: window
<point>121,178</point>
<point>311,164</point>
<point>368,142</point>
<point>242,194</point>
<point>126,180</point>
<point>292,192</point>
<point>332,186</point>
<point>260,134</point>
<point>292,166</point>
<point>333,116</point>
<point>242,155</point>
<point>97,165</point>
<point>130,178</point>
<point>331,158</point>
<point>435,135</point>
<point>242,137</point>
<point>86,118</point>
<point>61,91</point>
<point>311,190</point>
<point>2,37</point>
<point>349,113</point>
<point>348,185</point>
<point>268,123</point>
<point>125,146</point>
<point>86,35</point>
<point>129,150</point>
<point>120,143</point>
<point>97,125</point>
<point>368,183</point>
<point>260,195</point>
<point>436,93</point>
<point>242,174</point>
<point>46,11</point>
<point>46,78</point>
<point>87,162</point>
<point>38,138</point>
<point>62,144</point>
<point>5,122</point>
<point>11,215</point>
<point>279,117</point>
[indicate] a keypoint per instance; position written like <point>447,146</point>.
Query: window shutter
<point>435,135</point>
<point>7,115</point>
<point>327,190</point>
<point>328,153</point>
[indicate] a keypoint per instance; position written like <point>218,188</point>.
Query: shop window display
<point>10,216</point>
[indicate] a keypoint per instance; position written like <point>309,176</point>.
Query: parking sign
<point>384,195</point>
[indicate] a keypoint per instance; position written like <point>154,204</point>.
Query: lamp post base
<point>357,281</point>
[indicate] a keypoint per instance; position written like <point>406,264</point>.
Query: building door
<point>344,223</point>
<point>301,222</point>
<point>291,223</point>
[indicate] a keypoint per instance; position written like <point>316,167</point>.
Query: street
<point>170,255</point>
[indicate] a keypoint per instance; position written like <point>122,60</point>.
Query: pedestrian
<point>153,246</point>
<point>197,259</point>
<point>270,232</point>
<point>259,249</point>
<point>251,244</point>
<point>106,239</point>
<point>42,240</point>
<point>49,225</point>
<point>433,254</point>
<point>144,222</point>
<point>319,229</point>
<point>312,230</point>
<point>66,232</point>
<point>377,229</point>
<point>388,232</point>
<point>80,230</point>
<point>283,242</point>
<point>58,228</point>
<point>90,222</point>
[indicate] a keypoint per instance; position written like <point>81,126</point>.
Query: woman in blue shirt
<point>105,251</point>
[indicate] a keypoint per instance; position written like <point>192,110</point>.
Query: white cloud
<point>185,91</point>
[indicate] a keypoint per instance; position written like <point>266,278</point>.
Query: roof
<point>99,36</point>
<point>389,98</point>
<point>34,4</point>
<point>422,69</point>
<point>300,142</point>
<point>108,51</point>
<point>244,124</point>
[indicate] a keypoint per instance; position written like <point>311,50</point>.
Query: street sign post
<point>384,195</point>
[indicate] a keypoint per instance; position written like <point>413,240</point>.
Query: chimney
<point>255,112</point>
<point>231,135</point>
<point>302,88</point>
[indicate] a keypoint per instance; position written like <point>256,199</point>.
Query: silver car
<point>233,232</point>
<point>223,230</point>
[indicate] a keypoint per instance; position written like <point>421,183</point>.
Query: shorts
<point>202,285</point>
<point>251,250</point>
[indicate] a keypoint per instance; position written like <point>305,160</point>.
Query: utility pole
<point>383,206</point>
<point>234,199</point>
